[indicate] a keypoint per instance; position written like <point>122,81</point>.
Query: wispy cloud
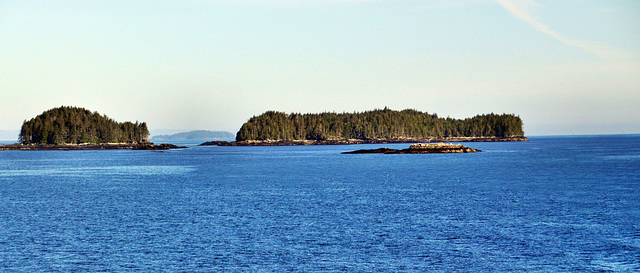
<point>521,10</point>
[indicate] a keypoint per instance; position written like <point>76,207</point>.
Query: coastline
<point>362,141</point>
<point>166,146</point>
<point>88,146</point>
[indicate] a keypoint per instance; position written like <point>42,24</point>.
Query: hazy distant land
<point>196,135</point>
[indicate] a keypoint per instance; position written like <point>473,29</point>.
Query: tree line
<point>78,125</point>
<point>376,124</point>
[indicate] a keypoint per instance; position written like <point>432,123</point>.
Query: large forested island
<point>74,128</point>
<point>377,126</point>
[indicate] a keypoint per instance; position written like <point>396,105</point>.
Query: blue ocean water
<point>550,204</point>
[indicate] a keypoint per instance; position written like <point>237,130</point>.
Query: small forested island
<point>74,128</point>
<point>421,148</point>
<point>377,126</point>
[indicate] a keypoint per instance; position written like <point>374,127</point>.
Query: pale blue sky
<point>570,66</point>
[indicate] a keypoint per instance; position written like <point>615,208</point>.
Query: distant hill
<point>195,135</point>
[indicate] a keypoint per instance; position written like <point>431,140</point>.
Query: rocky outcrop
<point>361,141</point>
<point>163,146</point>
<point>420,148</point>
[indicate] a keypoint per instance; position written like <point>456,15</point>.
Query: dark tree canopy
<point>78,125</point>
<point>376,124</point>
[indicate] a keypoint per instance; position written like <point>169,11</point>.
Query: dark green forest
<point>78,125</point>
<point>376,124</point>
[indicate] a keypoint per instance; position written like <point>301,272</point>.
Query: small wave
<point>622,157</point>
<point>617,266</point>
<point>111,170</point>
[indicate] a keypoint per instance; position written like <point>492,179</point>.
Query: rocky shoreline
<point>420,148</point>
<point>89,146</point>
<point>361,141</point>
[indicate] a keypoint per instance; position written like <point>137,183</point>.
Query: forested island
<point>66,124</point>
<point>75,128</point>
<point>376,126</point>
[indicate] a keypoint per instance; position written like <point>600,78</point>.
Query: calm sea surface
<point>550,204</point>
